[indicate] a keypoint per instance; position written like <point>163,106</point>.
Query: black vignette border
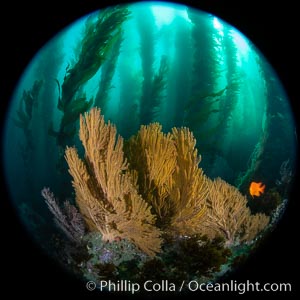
<point>28,25</point>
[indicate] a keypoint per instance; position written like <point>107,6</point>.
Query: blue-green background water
<point>171,65</point>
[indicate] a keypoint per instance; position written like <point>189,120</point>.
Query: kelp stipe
<point>102,33</point>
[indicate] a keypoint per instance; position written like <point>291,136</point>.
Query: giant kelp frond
<point>199,110</point>
<point>75,108</point>
<point>98,40</point>
<point>22,121</point>
<point>153,91</point>
<point>101,36</point>
<point>30,98</point>
<point>255,159</point>
<point>146,26</point>
<point>204,96</point>
<point>159,83</point>
<point>208,63</point>
<point>106,191</point>
<point>108,71</point>
<point>28,102</point>
<point>25,110</point>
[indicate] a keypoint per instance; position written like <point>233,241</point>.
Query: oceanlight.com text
<point>239,287</point>
<point>192,286</point>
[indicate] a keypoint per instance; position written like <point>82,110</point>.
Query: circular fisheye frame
<point>149,141</point>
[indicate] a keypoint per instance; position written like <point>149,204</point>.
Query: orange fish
<point>256,188</point>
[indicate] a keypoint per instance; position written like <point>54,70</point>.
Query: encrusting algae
<point>157,189</point>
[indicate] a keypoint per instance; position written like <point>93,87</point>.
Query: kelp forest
<point>138,136</point>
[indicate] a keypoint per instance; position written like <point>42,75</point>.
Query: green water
<point>162,63</point>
